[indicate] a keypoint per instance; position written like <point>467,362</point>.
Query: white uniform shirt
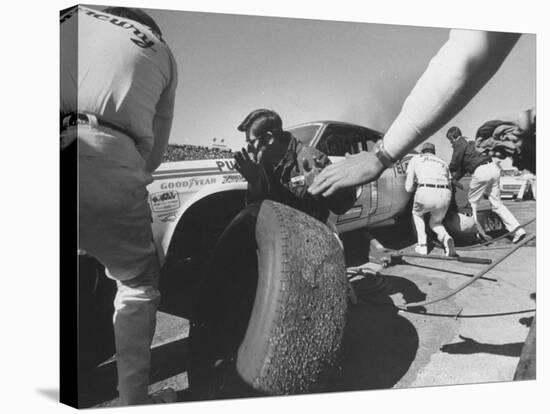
<point>122,72</point>
<point>427,169</point>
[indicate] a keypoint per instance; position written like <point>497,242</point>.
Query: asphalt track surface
<point>474,337</point>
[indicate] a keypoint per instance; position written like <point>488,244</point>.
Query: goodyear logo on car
<point>189,184</point>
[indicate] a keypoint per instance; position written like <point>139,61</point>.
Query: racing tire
<point>491,223</point>
<point>280,324</point>
<point>463,229</point>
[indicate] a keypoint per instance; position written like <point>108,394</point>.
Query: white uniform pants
<point>436,202</point>
<point>115,228</point>
<point>486,180</point>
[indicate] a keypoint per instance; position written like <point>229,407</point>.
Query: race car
<point>514,184</point>
<point>209,191</point>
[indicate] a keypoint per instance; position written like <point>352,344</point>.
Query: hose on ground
<point>469,282</point>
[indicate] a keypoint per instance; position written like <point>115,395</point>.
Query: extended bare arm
<point>455,74</point>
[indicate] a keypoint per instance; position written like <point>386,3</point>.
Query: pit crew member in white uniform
<point>430,176</point>
<point>485,180</point>
<point>118,82</point>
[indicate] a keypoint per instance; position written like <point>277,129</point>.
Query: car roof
<point>339,123</point>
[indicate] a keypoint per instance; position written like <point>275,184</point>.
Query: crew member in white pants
<point>485,179</point>
<point>118,82</point>
<point>430,176</point>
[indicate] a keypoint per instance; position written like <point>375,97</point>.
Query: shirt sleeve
<point>165,106</point>
<point>164,113</point>
<point>260,189</point>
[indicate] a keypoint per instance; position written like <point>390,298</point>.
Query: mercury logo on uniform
<point>142,40</point>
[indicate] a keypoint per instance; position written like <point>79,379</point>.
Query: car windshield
<point>305,133</point>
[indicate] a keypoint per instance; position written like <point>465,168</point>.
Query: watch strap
<point>381,153</point>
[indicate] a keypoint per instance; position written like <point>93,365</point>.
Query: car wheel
<point>273,307</point>
<point>491,223</point>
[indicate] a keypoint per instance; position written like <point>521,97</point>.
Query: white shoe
<point>163,396</point>
<point>421,249</point>
<point>519,235</point>
<point>449,245</point>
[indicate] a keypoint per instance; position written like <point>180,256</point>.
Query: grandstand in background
<point>177,152</point>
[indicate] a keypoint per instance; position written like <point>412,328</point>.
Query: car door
<point>337,141</point>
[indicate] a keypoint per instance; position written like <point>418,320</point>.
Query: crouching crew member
<point>430,176</point>
<point>485,179</point>
<point>282,168</point>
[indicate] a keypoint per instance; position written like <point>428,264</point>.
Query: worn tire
<point>298,318</point>
<point>279,322</point>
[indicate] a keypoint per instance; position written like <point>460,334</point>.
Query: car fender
<point>163,233</point>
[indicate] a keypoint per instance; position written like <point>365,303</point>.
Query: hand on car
<point>249,169</point>
<point>355,170</point>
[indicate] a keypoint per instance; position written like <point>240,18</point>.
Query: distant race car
<point>513,183</point>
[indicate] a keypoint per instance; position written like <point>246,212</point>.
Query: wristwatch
<point>385,158</point>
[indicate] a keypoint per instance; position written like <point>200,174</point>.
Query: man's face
<point>251,141</point>
<point>256,143</point>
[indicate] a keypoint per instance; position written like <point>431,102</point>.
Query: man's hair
<point>264,120</point>
<point>135,14</point>
<point>454,133</point>
<point>428,147</point>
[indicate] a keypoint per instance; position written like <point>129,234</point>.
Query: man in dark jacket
<point>485,179</point>
<point>282,168</point>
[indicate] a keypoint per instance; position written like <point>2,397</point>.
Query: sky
<point>310,70</point>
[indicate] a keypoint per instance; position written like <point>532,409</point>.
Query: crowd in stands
<point>194,152</point>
